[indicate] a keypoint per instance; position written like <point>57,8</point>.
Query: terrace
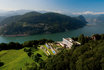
<point>50,48</point>
<point>54,48</point>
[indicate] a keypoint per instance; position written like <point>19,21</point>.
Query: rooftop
<point>69,39</point>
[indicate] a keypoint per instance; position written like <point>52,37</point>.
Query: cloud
<point>56,11</point>
<point>88,12</point>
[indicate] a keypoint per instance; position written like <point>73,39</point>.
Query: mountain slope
<point>37,23</point>
<point>89,56</point>
<point>95,18</point>
<point>13,13</point>
<point>16,18</point>
<point>2,18</point>
<point>80,17</point>
<point>100,19</point>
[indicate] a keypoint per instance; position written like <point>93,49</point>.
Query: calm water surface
<point>87,30</point>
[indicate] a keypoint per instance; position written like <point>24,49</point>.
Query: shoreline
<point>15,35</point>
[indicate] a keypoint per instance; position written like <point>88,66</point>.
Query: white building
<point>68,42</point>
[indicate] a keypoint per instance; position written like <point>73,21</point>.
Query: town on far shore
<point>54,48</point>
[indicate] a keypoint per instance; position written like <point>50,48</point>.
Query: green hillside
<point>17,59</point>
<point>88,56</point>
<point>38,23</point>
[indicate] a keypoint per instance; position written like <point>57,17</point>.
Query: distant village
<point>54,48</point>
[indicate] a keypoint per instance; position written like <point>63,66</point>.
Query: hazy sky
<point>54,5</point>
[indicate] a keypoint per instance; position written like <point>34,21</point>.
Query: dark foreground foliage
<point>1,64</point>
<point>89,56</point>
<point>13,45</point>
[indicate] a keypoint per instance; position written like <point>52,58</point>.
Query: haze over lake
<point>87,30</point>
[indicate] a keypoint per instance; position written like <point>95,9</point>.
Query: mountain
<point>38,23</point>
<point>13,13</point>
<point>100,19</point>
<point>5,14</point>
<point>2,18</point>
<point>16,18</point>
<point>94,18</point>
<point>80,17</point>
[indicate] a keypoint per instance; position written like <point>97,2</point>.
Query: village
<point>54,48</point>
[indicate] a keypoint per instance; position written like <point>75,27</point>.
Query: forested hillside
<point>89,56</point>
<point>38,23</point>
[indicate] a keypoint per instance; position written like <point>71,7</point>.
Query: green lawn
<point>16,59</point>
<point>40,51</point>
<point>56,45</point>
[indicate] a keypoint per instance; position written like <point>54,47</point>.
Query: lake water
<point>87,30</point>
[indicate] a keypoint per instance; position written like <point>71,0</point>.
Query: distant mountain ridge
<point>16,18</point>
<point>2,18</point>
<point>5,14</point>
<point>94,18</point>
<point>39,23</point>
<point>13,13</point>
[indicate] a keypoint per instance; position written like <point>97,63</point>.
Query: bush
<point>1,64</point>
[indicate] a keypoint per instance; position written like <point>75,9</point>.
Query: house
<point>68,42</point>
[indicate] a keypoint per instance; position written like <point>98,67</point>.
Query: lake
<point>90,29</point>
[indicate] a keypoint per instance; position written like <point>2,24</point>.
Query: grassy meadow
<point>17,59</point>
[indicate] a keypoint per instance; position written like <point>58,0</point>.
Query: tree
<point>39,55</point>
<point>1,64</point>
<point>81,39</point>
<point>29,52</point>
<point>88,56</point>
<point>32,66</point>
<point>3,46</point>
<point>37,58</point>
